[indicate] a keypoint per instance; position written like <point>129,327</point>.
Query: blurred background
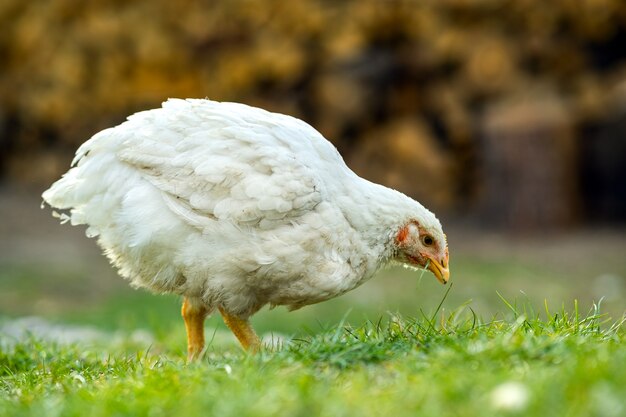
<point>506,118</point>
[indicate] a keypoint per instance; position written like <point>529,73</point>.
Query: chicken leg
<point>194,315</point>
<point>243,331</point>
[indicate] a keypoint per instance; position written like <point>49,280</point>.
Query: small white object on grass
<point>510,396</point>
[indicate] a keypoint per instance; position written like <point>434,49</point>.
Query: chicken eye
<point>428,240</point>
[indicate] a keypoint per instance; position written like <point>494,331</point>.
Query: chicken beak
<point>440,270</point>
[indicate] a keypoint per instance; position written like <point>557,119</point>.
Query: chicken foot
<point>194,315</point>
<point>243,331</point>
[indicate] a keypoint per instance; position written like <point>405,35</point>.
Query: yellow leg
<point>194,316</point>
<point>243,331</point>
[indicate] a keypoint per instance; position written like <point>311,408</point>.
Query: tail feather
<point>88,189</point>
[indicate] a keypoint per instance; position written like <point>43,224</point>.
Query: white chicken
<point>234,208</point>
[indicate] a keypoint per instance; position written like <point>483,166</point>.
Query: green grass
<point>433,365</point>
